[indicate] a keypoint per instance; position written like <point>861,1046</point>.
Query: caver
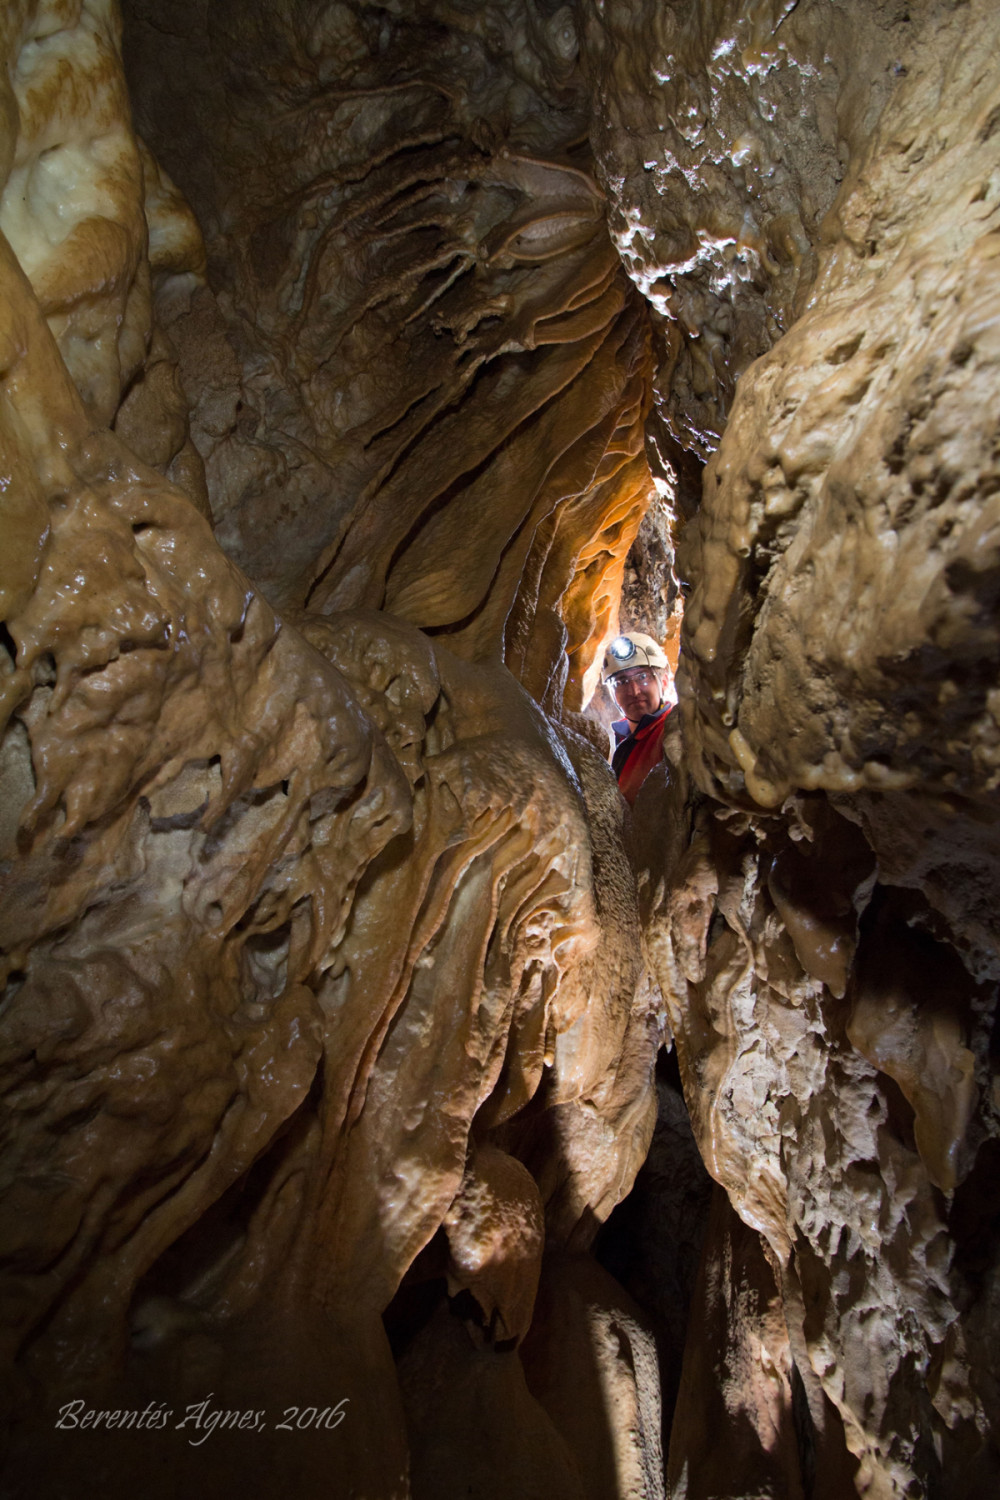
<point>638,674</point>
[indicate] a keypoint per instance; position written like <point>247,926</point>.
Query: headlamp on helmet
<point>623,649</point>
<point>628,651</point>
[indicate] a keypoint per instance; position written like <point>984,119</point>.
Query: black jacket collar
<point>623,730</point>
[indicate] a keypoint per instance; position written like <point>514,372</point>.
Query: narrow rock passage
<point>364,367</point>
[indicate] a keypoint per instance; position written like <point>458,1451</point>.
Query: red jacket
<point>638,750</point>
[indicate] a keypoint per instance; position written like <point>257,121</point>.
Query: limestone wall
<point>343,349</point>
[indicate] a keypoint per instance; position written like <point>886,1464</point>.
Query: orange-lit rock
<point>330,411</point>
<point>820,885</point>
<point>441,370</point>
<point>296,915</point>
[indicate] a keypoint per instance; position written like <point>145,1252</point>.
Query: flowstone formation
<point>422,352</point>
<point>820,877</point>
<point>362,365</point>
<point>320,944</point>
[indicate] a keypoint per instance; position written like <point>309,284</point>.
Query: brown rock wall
<point>320,936</point>
<point>819,897</point>
<point>722,132</point>
<point>440,371</point>
<point>295,913</point>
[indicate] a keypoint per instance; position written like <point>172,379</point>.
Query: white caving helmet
<point>634,650</point>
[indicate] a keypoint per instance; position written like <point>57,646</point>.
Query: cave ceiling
<point>363,369</point>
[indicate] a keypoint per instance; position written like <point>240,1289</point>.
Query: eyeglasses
<point>640,679</point>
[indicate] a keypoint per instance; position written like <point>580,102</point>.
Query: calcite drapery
<point>299,913</point>
<point>441,369</point>
<point>320,936</point>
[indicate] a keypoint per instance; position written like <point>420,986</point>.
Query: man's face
<point>638,691</point>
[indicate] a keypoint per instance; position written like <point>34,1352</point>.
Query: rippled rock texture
<point>423,358</point>
<point>820,900</point>
<point>320,942</point>
<point>326,1045</point>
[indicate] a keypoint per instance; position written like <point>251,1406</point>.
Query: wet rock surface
<point>362,370</point>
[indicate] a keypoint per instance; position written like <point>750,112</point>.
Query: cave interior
<point>390,1112</point>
